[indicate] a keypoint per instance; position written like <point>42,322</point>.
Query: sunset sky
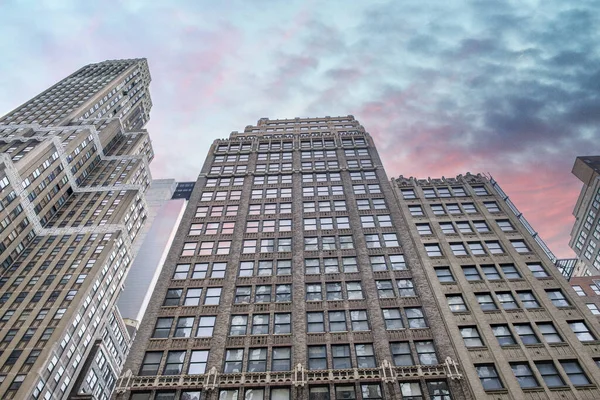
<point>509,88</point>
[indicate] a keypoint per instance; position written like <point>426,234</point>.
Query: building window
<point>520,246</point>
<point>385,289</point>
<point>458,249</point>
<point>173,296</point>
<point>491,206</point>
<point>359,320</point>
<point>337,321</point>
<point>317,357</point>
<point>537,270</point>
<point>174,363</point>
<point>444,274</point>
<point>526,333</point>
<point>334,291</point>
<point>408,194</point>
<point>433,250</point>
<point>593,308</point>
<point>415,211</point>
<point>365,356</point>
<point>257,360</point>
<point>581,330</point>
<point>426,353</point>
<point>260,324</point>
<point>424,229</point>
<point>471,273</point>
<point>528,299</point>
<point>476,248</point>
<point>557,298</point>
<point>189,249</point>
<point>481,226</point>
<point>549,332</point>
<point>447,228</point>
<point>280,394</point>
<point>213,296</point>
<point>524,375</point>
<point>505,225</point>
<point>415,317</point>
<point>488,377</point>
<point>151,363</point>
<point>341,356</point>
<point>575,372</point>
<point>456,303</point>
<point>401,354</point>
<point>163,327</point>
<point>503,334</point>
<point>392,318</point>
<point>490,272</point>
<point>318,393</point>
<point>206,325</point>
<point>507,301</point>
<point>283,323</point>
<point>549,373</point>
<point>192,297</point>
<point>471,337</point>
<point>438,390</point>
<point>486,302</point>
<point>406,287</point>
<point>344,392</point>
<point>313,292</point>
<point>184,327</point>
<point>494,247</point>
<point>239,325</point>
<point>233,361</point>
<point>371,391</point>
<point>579,290</point>
<point>315,322</point>
<point>198,360</point>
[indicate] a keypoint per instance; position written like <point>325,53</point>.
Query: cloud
<point>511,88</point>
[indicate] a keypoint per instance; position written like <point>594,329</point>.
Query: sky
<point>510,88</point>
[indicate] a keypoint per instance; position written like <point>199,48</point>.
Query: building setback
<point>74,169</point>
<point>585,235</point>
<point>519,329</point>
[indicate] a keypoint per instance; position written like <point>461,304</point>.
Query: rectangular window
<point>581,330</point>
<point>392,318</point>
<point>198,360</point>
<point>528,299</point>
<point>151,363</point>
<point>401,354</point>
<point>575,373</point>
<point>444,274</point>
<point>488,376</point>
<point>365,356</point>
<point>557,298</point>
<point>174,363</point>
<point>317,357</point>
<point>526,333</point>
<point>456,303</point>
<point>549,374</point>
<point>233,361</point>
<point>341,356</point>
<point>524,375</point>
<point>471,336</point>
<point>315,322</point>
<point>337,321</point>
<point>503,334</point>
<point>206,325</point>
<point>283,323</point>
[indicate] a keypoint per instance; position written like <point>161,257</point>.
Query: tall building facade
<point>289,278</point>
<point>519,329</point>
<point>74,169</point>
<point>300,271</point>
<point>585,235</point>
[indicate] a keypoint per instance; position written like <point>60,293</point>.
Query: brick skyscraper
<point>300,271</point>
<point>74,168</point>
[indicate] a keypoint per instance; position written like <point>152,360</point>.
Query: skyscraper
<point>518,328</point>
<point>269,245</point>
<point>585,235</point>
<point>72,181</point>
<point>300,271</point>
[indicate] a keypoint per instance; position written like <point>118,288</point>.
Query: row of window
<point>467,208</point>
<point>465,227</point>
<point>526,333</point>
<point>476,248</point>
<point>527,378</point>
<point>506,300</point>
<point>286,208</point>
<point>392,262</point>
<point>472,272</point>
<point>455,191</point>
<point>316,322</point>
